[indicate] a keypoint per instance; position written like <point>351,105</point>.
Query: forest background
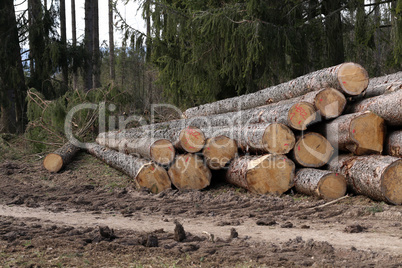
<point>190,53</point>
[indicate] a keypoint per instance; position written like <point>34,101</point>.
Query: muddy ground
<point>90,215</point>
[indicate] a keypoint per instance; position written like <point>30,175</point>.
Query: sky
<point>129,11</point>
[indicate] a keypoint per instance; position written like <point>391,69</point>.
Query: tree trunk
<point>74,43</point>
<point>89,44</point>
<point>359,133</point>
<point>96,52</point>
<point>111,42</point>
<point>387,106</point>
<point>393,143</point>
<point>262,174</point>
<point>160,151</point>
<point>312,150</point>
<point>349,78</point>
<point>63,32</point>
<point>189,172</point>
<point>389,78</point>
<point>378,90</point>
<point>376,176</point>
<point>321,183</point>
<point>57,160</point>
<point>145,173</point>
<point>219,151</point>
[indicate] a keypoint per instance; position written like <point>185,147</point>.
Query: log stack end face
<point>332,186</point>
<point>313,150</point>
<point>278,139</point>
<point>53,162</point>
<point>391,183</point>
<point>192,139</point>
<point>353,78</point>
<point>162,152</point>
<point>368,133</point>
<point>219,151</point>
<point>270,174</point>
<point>153,177</point>
<point>330,102</point>
<point>301,115</point>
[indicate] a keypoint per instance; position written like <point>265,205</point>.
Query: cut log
<point>145,173</point>
<point>378,90</point>
<point>189,172</point>
<point>393,144</point>
<point>219,151</point>
<point>321,183</point>
<point>191,139</point>
<point>360,133</point>
<point>376,176</point>
<point>55,161</point>
<point>387,106</point>
<point>389,78</point>
<point>349,78</point>
<point>262,174</point>
<point>312,150</point>
<point>160,151</point>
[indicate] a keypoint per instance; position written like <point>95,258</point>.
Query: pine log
<point>312,150</point>
<point>160,151</point>
<point>349,78</point>
<point>219,151</point>
<point>189,172</point>
<point>55,161</point>
<point>378,90</point>
<point>262,174</point>
<point>321,183</point>
<point>376,176</point>
<point>389,78</point>
<point>360,133</point>
<point>144,172</point>
<point>387,106</point>
<point>393,143</point>
<point>191,139</point>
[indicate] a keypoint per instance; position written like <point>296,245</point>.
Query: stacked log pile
<point>321,134</point>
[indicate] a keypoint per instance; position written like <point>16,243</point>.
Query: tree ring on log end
<point>278,139</point>
<point>219,151</point>
<point>192,139</point>
<point>301,114</point>
<point>368,133</point>
<point>162,152</point>
<point>270,174</point>
<point>330,102</point>
<point>332,186</point>
<point>53,162</point>
<point>391,183</point>
<point>353,78</point>
<point>153,177</point>
<point>313,150</point>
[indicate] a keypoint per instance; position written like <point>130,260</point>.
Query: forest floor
<point>55,220</point>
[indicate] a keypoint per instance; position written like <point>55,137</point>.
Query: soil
<point>90,215</point>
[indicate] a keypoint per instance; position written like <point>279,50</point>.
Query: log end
<point>219,151</point>
<point>189,173</point>
<point>53,162</point>
<point>162,152</point>
<point>313,150</point>
<point>301,114</point>
<point>332,186</point>
<point>391,183</point>
<point>153,177</point>
<point>368,133</point>
<point>191,139</point>
<point>270,174</point>
<point>330,102</point>
<point>353,78</point>
<point>278,139</point>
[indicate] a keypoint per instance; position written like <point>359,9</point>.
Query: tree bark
<point>89,44</point>
<point>57,160</point>
<point>376,176</point>
<point>359,133</point>
<point>389,78</point>
<point>189,172</point>
<point>312,150</point>
<point>74,42</point>
<point>96,83</point>
<point>219,151</point>
<point>387,106</point>
<point>160,151</point>
<point>378,90</point>
<point>262,174</point>
<point>111,42</point>
<point>321,183</point>
<point>349,78</point>
<point>145,173</point>
<point>393,143</point>
<point>63,33</point>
